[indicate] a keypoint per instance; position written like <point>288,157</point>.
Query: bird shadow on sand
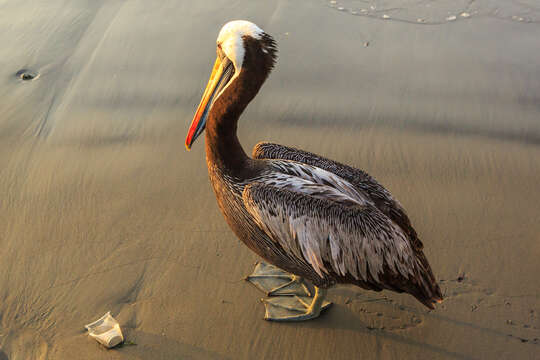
<point>340,317</point>
<point>469,286</point>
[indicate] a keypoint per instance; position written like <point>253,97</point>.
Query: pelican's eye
<point>220,52</point>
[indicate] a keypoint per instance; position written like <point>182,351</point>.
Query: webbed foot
<point>296,308</point>
<point>275,282</point>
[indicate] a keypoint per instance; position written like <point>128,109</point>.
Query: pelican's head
<point>240,44</point>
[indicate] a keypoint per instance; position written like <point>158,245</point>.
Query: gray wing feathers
<point>357,241</point>
<point>311,180</point>
<point>361,180</point>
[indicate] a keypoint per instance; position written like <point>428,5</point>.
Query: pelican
<point>309,217</point>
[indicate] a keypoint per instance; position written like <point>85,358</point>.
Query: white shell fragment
<point>386,16</point>
<point>106,331</point>
<point>465,14</point>
<point>451,18</point>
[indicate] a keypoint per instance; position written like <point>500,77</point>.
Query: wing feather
<point>362,181</point>
<point>357,241</point>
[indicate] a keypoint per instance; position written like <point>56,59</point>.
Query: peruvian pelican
<point>310,217</point>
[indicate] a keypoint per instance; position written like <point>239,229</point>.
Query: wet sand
<point>103,209</point>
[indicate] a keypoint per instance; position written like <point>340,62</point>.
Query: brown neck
<point>222,146</point>
<point>223,149</point>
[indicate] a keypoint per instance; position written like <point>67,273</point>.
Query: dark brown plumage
<point>311,216</point>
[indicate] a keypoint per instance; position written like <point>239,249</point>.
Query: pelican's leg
<point>274,281</point>
<point>296,308</point>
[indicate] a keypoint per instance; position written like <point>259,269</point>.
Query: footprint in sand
<point>468,289</point>
<point>383,314</point>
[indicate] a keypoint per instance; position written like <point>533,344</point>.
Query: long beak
<point>221,74</point>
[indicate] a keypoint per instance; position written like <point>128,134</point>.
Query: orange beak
<point>216,82</point>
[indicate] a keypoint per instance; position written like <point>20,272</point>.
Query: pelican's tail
<point>425,287</point>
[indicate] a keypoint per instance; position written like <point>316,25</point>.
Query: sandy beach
<point>102,209</point>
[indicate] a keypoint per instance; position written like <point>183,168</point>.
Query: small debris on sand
<point>25,74</point>
<point>106,331</point>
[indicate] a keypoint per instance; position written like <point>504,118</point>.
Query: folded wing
<point>362,181</point>
<point>349,241</point>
